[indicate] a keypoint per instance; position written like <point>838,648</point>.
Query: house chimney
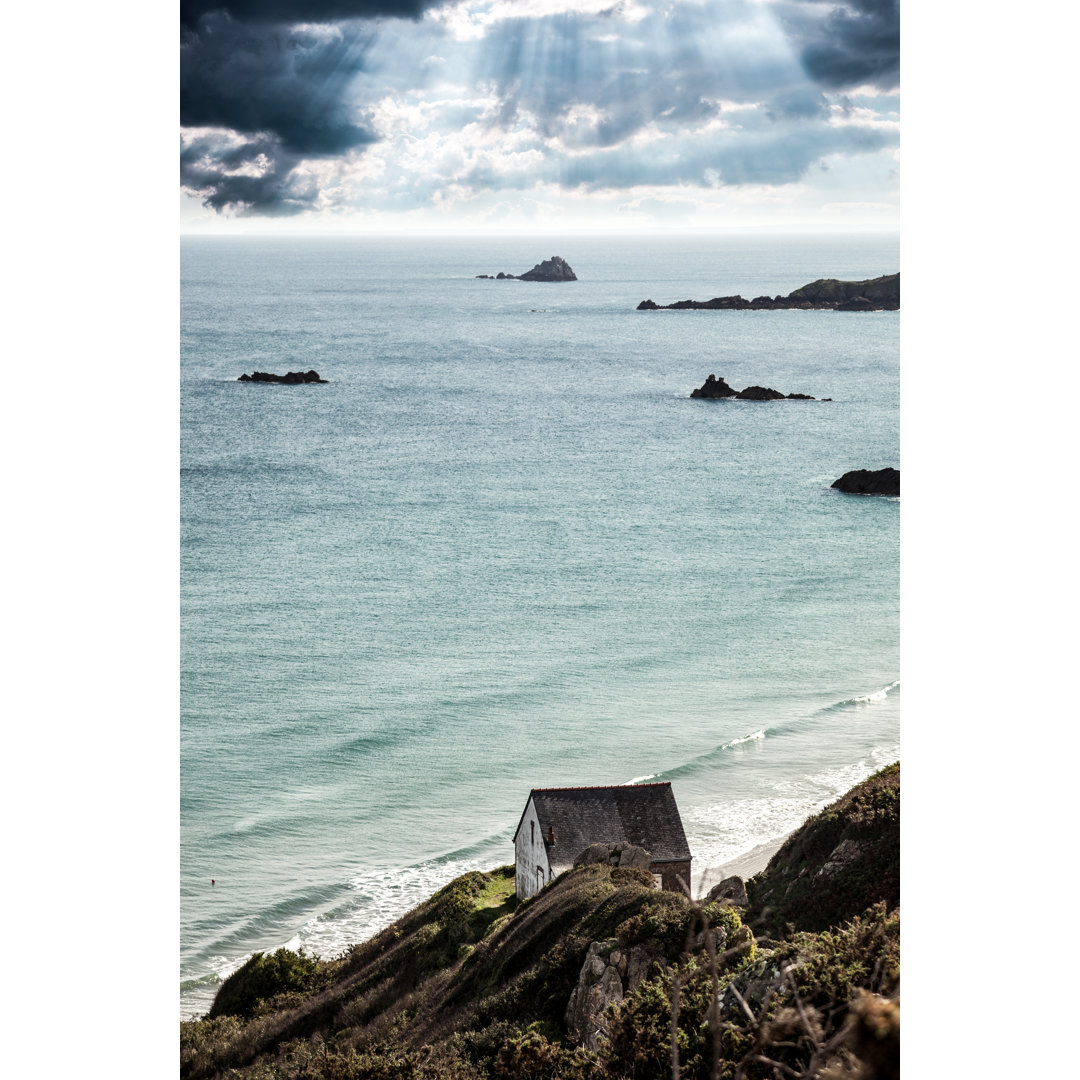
<point>551,834</point>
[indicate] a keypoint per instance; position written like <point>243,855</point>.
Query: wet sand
<point>744,866</point>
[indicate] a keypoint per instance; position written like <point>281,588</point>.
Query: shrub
<point>264,976</point>
<point>839,863</point>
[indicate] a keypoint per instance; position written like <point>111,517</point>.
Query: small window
<point>532,832</point>
<point>657,881</point>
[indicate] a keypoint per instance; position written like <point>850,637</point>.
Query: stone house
<point>558,824</point>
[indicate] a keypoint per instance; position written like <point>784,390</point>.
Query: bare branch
<point>787,1069</point>
<point>742,1001</point>
<point>675,1025</point>
<point>799,1006</point>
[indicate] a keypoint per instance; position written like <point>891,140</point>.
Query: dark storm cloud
<point>854,43</point>
<point>302,11</point>
<point>252,177</point>
<point>279,81</point>
<point>283,88</point>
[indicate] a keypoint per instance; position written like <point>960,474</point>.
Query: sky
<point>520,114</point>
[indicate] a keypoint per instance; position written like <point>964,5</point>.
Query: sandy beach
<point>744,866</point>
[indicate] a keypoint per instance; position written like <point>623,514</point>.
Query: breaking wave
<point>863,699</point>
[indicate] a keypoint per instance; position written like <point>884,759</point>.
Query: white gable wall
<point>530,856</point>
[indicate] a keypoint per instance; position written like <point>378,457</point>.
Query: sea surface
<point>502,548</point>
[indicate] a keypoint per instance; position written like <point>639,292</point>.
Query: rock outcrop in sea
<point>760,393</point>
<point>291,378</point>
<point>718,388</point>
<point>869,482</point>
<point>553,269</point>
<point>714,388</point>
<point>825,294</point>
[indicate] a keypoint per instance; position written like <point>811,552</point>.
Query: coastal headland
<point>825,294</point>
<point>600,975</point>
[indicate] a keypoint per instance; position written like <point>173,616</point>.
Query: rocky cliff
<point>841,862</point>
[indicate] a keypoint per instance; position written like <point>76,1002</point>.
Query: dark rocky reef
<point>760,393</point>
<point>718,388</point>
<point>869,482</point>
<point>714,388</point>
<point>290,378</point>
<point>825,294</point>
<point>553,269</point>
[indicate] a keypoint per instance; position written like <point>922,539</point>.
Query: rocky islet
<point>825,294</point>
<point>714,388</point>
<point>554,269</point>
<point>869,482</point>
<point>291,378</point>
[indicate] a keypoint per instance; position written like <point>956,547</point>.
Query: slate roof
<point>642,814</point>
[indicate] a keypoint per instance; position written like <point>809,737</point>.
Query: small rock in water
<point>291,378</point>
<point>869,482</point>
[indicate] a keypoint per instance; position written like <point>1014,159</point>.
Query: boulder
<point>607,976</point>
<point>632,855</point>
<point>801,397</point>
<point>291,378</point>
<point>868,482</point>
<point>620,854</point>
<point>713,388</point>
<point>731,889</point>
<point>646,305</point>
<point>759,393</point>
<point>594,853</point>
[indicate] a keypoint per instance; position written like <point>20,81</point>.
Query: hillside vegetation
<point>839,863</point>
<point>598,976</point>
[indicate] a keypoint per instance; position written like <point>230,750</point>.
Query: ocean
<point>502,548</point>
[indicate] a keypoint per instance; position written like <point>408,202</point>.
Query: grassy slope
<point>839,863</point>
<point>472,985</point>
